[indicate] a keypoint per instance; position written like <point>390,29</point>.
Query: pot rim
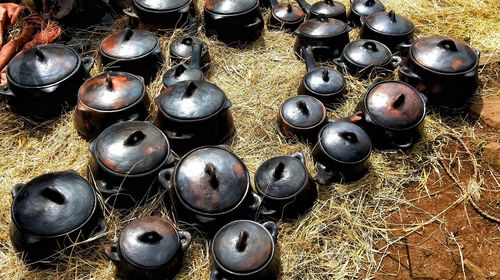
<point>222,15</point>
<point>115,58</point>
<point>303,128</point>
<point>153,11</point>
<point>309,36</point>
<point>340,161</point>
<point>387,33</point>
<point>324,94</point>
<point>213,115</point>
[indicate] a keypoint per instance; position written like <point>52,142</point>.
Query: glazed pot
<point>245,250</point>
<point>286,187</point>
<point>285,16</point>
<point>342,152</point>
<point>125,161</point>
<point>156,15</point>
<point>326,84</point>
<point>134,51</point>
<point>43,81</point>
<point>327,37</point>
<point>364,57</point>
<point>363,8</point>
<point>327,8</point>
<point>181,48</point>
<point>392,30</point>
<point>302,116</point>
<point>52,212</point>
<point>233,21</point>
<point>393,114</point>
<point>149,248</point>
<point>109,98</point>
<point>209,187</point>
<point>194,114</point>
<point>442,68</point>
<point>186,71</point>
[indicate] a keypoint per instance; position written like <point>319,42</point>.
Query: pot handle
<point>15,190</point>
<point>340,63</point>
<point>111,252</point>
<point>228,104</point>
<point>88,62</point>
<point>305,6</point>
<point>215,275</point>
<point>478,53</point>
<point>412,77</point>
<point>175,136</point>
<point>403,46</point>
<point>299,156</point>
<point>424,97</point>
<point>396,61</point>
<point>407,142</point>
<point>274,3</point>
<point>101,231</point>
<point>257,200</point>
<point>256,22</point>
<point>165,178</point>
<point>130,12</point>
<point>6,91</point>
<point>308,56</point>
<point>185,238</point>
<point>323,177</point>
<point>272,228</point>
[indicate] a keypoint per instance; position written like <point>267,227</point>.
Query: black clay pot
<point>149,248</point>
<point>285,16</point>
<point>363,8</point>
<point>327,8</point>
<point>43,81</point>
<point>186,71</point>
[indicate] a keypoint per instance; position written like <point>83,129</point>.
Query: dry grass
<point>336,238</point>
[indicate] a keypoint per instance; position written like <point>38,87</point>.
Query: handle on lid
<point>392,16</point>
<point>190,89</point>
<point>15,190</point>
<point>211,172</point>
<point>112,253</point>
<point>304,5</point>
<point>399,101</point>
<point>300,157</point>
<point>150,237</point>
<point>53,195</point>
<point>369,2</point>
<point>448,44</point>
<point>109,82</point>
<point>329,2</point>
<point>135,138</point>
<point>278,171</point>
<point>325,76</point>
<point>196,54</point>
<point>127,34</point>
<point>272,228</point>
<point>308,56</point>
<point>185,238</point>
<point>242,242</point>
<point>179,70</point>
<point>165,177</point>
<point>6,91</point>
<point>322,18</point>
<point>370,45</point>
<point>39,54</point>
<point>303,107</point>
<point>349,136</point>
<point>88,63</point>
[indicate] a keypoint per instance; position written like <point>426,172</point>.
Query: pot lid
<point>345,142</point>
<point>364,52</point>
<point>131,147</point>
<point>211,180</point>
<point>111,91</point>
<point>324,80</point>
<point>189,100</point>
<point>43,65</point>
<point>161,5</point>
<point>182,72</point>
<point>367,7</point>
<point>53,204</point>
<point>328,8</point>
<point>182,47</point>
<point>129,44</point>
<point>288,13</point>
<point>243,246</point>
<point>149,241</point>
<point>303,111</point>
<point>395,105</point>
<point>444,54</point>
<point>280,177</point>
<point>322,27</point>
<point>389,23</point>
<point>228,7</point>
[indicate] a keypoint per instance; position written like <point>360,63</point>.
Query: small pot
<point>134,51</point>
<point>285,16</point>
<point>286,187</point>
<point>160,15</point>
<point>52,212</point>
<point>394,31</point>
<point>209,187</point>
<point>326,84</point>
<point>109,98</point>
<point>342,152</point>
<point>302,116</point>
<point>393,114</point>
<point>364,57</point>
<point>233,21</point>
<point>149,248</point>
<point>186,71</point>
<point>181,49</point>
<point>43,81</point>
<point>245,250</point>
<point>363,8</point>
<point>125,160</point>
<point>327,37</point>
<point>327,8</point>
<point>442,68</point>
<point>194,114</point>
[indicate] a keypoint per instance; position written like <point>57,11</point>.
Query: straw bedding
<point>337,238</point>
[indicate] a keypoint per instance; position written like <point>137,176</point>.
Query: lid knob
<point>187,41</point>
<point>400,100</point>
<point>128,34</point>
<point>242,243</point>
<point>370,45</point>
<point>349,136</point>
<point>329,2</point>
<point>179,70</point>
<point>289,7</point>
<point>392,16</point>
<point>278,171</point>
<point>134,138</point>
<point>303,107</point>
<point>39,54</point>
<point>211,171</point>
<point>150,237</point>
<point>109,82</point>
<point>369,2</point>
<point>322,18</point>
<point>325,75</point>
<point>53,195</point>
<point>190,90</point>
<point>448,44</point>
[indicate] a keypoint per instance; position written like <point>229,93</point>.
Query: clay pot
<point>285,16</point>
<point>159,15</point>
<point>186,71</point>
<point>327,8</point>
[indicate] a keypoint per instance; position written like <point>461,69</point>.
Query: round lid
<point>131,147</point>
<point>322,27</point>
<point>288,12</point>
<point>228,7</point>
<point>367,7</point>
<point>329,8</point>
<point>111,91</point>
<point>243,246</point>
<point>281,177</point>
<point>324,80</point>
<point>364,52</point>
<point>188,100</point>
<point>345,142</point>
<point>182,47</point>
<point>211,180</point>
<point>149,241</point>
<point>43,65</point>
<point>129,44</point>
<point>443,54</point>
<point>303,111</point>
<point>182,72</point>
<point>53,204</point>
<point>395,105</point>
<point>161,5</point>
<point>389,23</point>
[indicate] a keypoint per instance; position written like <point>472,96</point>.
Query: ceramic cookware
<point>363,8</point>
<point>285,16</point>
<point>181,48</point>
<point>155,15</point>
<point>327,8</point>
<point>186,71</point>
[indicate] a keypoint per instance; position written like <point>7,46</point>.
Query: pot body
<point>329,100</point>
<point>338,171</point>
<point>156,20</point>
<point>307,134</point>
<point>276,23</point>
<point>235,28</point>
<point>364,71</point>
<point>395,42</point>
<point>323,48</point>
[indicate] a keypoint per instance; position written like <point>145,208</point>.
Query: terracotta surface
<point>489,110</point>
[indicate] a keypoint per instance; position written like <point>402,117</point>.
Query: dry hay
<point>337,238</point>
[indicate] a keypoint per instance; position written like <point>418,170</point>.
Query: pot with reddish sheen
<point>327,8</point>
<point>363,8</point>
<point>186,71</point>
<point>155,15</point>
<point>181,48</point>
<point>285,16</point>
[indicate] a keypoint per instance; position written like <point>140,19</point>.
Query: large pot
<point>156,15</point>
<point>186,71</point>
<point>442,68</point>
<point>149,248</point>
<point>285,16</point>
<point>194,114</point>
<point>125,161</point>
<point>209,187</point>
<point>327,8</point>
<point>43,81</point>
<point>363,8</point>
<point>109,98</point>
<point>52,212</point>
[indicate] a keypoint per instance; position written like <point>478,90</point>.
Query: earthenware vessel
<point>285,16</point>
<point>328,8</point>
<point>181,48</point>
<point>363,8</point>
<point>186,71</point>
<point>156,15</point>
